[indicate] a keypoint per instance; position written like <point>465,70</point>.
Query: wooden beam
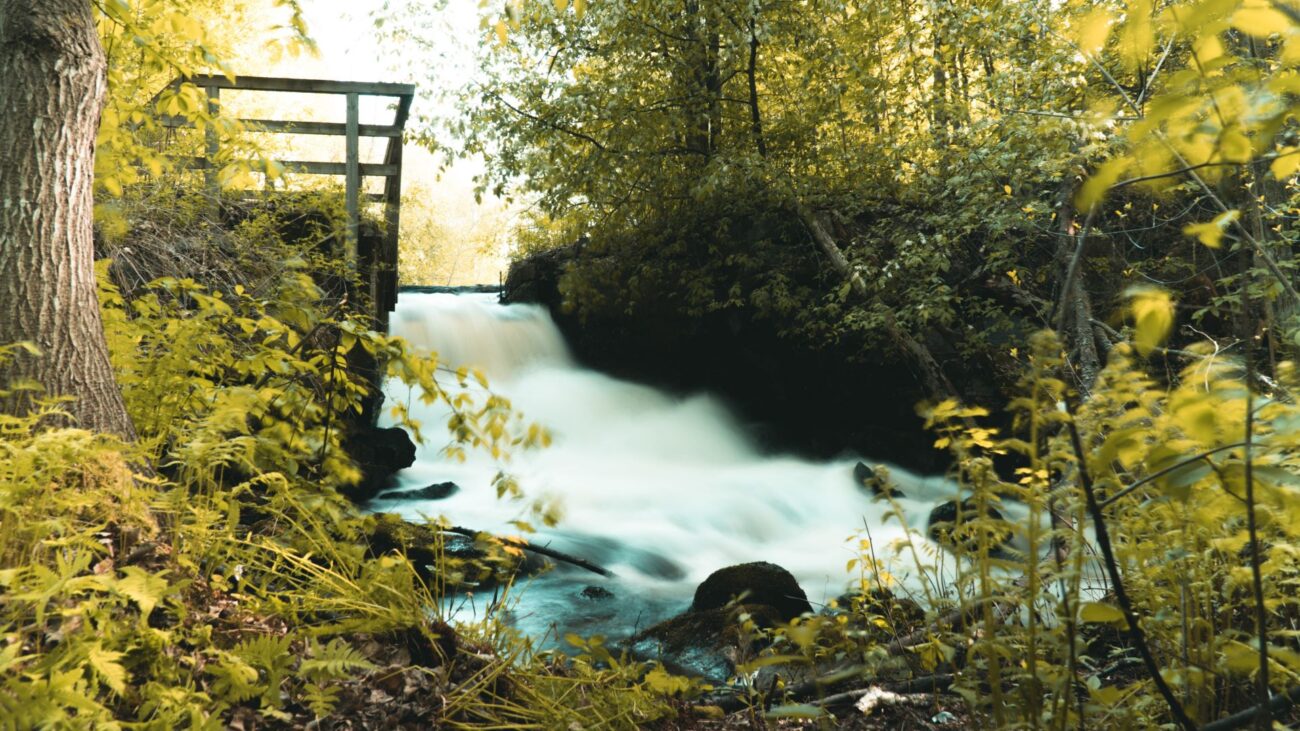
<point>320,128</point>
<point>302,86</point>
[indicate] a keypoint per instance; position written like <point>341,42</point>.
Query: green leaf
<point>798,710</point>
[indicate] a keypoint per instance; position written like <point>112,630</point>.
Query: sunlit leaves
<point>1093,29</point>
<point>1152,310</point>
<point>1260,19</point>
<point>1211,232</point>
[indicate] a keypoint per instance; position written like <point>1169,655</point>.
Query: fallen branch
<point>809,689</point>
<point>539,550</point>
<point>1276,705</point>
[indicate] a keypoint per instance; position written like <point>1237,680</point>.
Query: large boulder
<point>760,583</point>
<point>379,453</point>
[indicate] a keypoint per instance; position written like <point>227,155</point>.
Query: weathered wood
<point>301,86</point>
<point>213,145</point>
<point>353,173</point>
<point>310,167</point>
<point>293,127</point>
<point>378,266</point>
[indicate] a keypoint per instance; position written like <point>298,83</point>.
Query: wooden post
<point>213,149</point>
<point>353,175</point>
<point>387,280</point>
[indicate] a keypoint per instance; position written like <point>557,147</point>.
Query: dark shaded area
<point>817,401</point>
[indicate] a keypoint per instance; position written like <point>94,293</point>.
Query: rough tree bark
<point>1074,308</point>
<point>52,88</point>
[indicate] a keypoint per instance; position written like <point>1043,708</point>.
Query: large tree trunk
<point>52,87</point>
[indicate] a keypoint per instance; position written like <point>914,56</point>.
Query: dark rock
<point>379,453</point>
<point>439,491</point>
<point>878,483</point>
<point>759,583</point>
<point>946,519</point>
<point>597,593</point>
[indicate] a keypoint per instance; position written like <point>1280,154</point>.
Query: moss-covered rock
<point>759,583</point>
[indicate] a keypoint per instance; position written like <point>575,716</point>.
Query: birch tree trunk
<point>52,87</point>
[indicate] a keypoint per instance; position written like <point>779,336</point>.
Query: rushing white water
<point>661,490</point>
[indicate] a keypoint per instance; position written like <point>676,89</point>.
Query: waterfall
<point>661,489</point>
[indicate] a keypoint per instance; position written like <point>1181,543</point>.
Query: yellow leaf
<point>1286,163</point>
<point>580,8</point>
<point>113,185</point>
<point>1240,657</point>
<point>1006,189</point>
<point>1234,146</point>
<point>502,32</point>
<point>1207,48</point>
<point>1138,37</point>
<point>561,5</point>
<point>1093,30</point>
<point>1095,187</point>
<point>106,666</point>
<point>1096,612</point>
<point>1211,232</point>
<point>1153,316</point>
<point>1260,21</point>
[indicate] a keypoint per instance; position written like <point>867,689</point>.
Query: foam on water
<point>660,489</point>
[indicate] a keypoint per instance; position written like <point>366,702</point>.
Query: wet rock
<point>704,644</point>
<point>597,593</point>
<point>759,583</point>
<point>379,453</point>
<point>438,491</point>
<point>876,481</point>
<point>946,519</point>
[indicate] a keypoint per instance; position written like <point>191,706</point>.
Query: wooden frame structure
<point>376,261</point>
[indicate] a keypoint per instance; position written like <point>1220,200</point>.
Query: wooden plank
<point>280,126</point>
<point>286,126</point>
<point>301,86</point>
<point>353,163</point>
<point>308,167</point>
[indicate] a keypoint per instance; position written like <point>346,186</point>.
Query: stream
<point>660,489</point>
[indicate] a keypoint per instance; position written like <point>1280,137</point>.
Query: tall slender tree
<point>52,89</point>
